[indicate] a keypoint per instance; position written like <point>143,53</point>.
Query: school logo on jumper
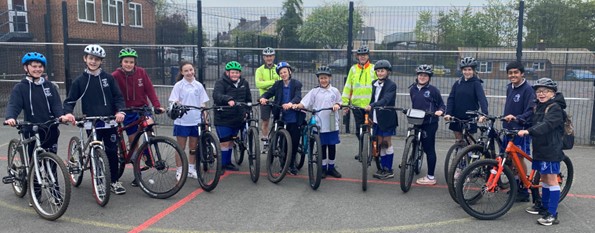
<point>104,83</point>
<point>47,92</point>
<point>140,82</point>
<point>516,98</point>
<point>427,94</point>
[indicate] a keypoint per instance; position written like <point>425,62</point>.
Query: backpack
<point>568,136</point>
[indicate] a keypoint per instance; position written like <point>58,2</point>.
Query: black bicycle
<point>467,139</point>
<point>280,148</point>
<point>248,141</point>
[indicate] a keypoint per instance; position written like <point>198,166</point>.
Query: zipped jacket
<point>358,86</point>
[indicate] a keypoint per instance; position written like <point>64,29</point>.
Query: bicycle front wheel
<point>315,162</point>
<point>50,191</point>
<point>407,164</point>
<point>75,161</point>
<point>157,175</point>
<point>16,168</point>
<point>450,156</point>
<point>253,154</point>
<point>208,165</point>
<point>279,156</point>
<point>564,178</point>
<point>473,194</point>
<point>100,176</point>
<point>464,158</point>
<point>301,154</point>
<point>238,153</point>
<point>365,153</point>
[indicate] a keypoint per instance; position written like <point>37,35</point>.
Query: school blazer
<point>277,91</point>
<point>387,118</point>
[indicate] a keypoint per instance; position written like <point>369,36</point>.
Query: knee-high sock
<point>545,196</point>
<point>225,156</point>
<point>554,199</point>
<point>332,151</point>
<point>383,159</point>
<point>324,157</point>
<point>390,154</point>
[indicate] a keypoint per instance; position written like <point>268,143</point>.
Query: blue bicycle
<point>310,145</point>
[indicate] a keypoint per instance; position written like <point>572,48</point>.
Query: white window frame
<point>17,13</point>
<point>485,67</point>
<point>112,5</point>
<point>503,66</point>
<point>87,4</point>
<point>134,9</point>
<point>538,66</point>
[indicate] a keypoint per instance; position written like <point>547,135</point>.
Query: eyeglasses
<point>542,91</point>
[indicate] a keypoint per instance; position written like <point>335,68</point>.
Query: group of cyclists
<point>368,87</point>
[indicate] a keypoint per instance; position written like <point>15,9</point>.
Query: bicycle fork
<point>495,174</point>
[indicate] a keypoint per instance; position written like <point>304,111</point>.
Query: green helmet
<point>127,52</point>
<point>233,65</point>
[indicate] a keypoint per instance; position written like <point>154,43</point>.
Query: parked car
<point>440,70</point>
<point>251,60</point>
<point>579,75</point>
<point>211,57</point>
<point>339,65</point>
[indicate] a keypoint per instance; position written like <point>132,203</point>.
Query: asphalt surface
<point>339,205</point>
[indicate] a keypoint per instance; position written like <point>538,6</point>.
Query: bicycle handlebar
<point>478,113</point>
<point>144,109</point>
<point>313,111</point>
<point>54,121</point>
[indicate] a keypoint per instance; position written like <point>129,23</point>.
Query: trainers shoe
<point>536,210</point>
<point>548,220</point>
<point>178,173</point>
<point>334,173</point>
<point>388,175</point>
<point>117,188</point>
<point>231,167</point>
<point>323,174</point>
<point>426,181</point>
<point>292,170</point>
<point>134,183</point>
<point>378,174</point>
<point>192,173</point>
<point>522,197</point>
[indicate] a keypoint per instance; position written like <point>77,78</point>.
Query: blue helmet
<point>282,65</point>
<point>33,56</point>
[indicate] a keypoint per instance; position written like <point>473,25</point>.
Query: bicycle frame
<point>512,151</point>
<point>144,129</point>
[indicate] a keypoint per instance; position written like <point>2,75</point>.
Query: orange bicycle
<point>483,191</point>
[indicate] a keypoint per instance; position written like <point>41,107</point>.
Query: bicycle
<point>208,151</point>
<point>310,145</point>
<point>248,141</point>
<point>413,153</point>
<point>43,173</point>
<point>160,154</point>
<point>467,139</point>
<point>280,149</point>
<point>481,182</point>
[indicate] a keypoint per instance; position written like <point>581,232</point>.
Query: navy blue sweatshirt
<point>427,98</point>
<point>466,95</point>
<point>100,95</point>
<point>520,102</point>
<point>41,101</point>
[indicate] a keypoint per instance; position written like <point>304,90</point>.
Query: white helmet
<point>268,51</point>
<point>95,50</point>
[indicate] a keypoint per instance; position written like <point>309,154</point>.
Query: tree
<point>424,28</point>
<point>327,26</point>
<point>288,24</point>
<point>172,29</point>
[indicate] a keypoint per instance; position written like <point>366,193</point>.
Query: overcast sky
<point>313,3</point>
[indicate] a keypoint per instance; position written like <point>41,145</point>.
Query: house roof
<point>556,56</point>
<point>254,25</point>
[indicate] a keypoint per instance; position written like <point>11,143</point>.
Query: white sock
<point>431,177</point>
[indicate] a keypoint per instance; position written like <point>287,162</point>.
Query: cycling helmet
<point>174,111</point>
<point>427,69</point>
<point>95,50</point>
<point>468,62</point>
<point>282,65</point>
<point>233,65</point>
<point>545,82</point>
<point>268,51</point>
<point>383,64</point>
<point>363,50</point>
<point>323,70</point>
<point>127,52</point>
<point>34,56</point>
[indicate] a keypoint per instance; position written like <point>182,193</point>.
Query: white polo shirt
<point>319,98</point>
<point>189,93</point>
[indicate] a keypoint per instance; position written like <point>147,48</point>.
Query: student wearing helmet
<point>546,131</point>
<point>384,94</point>
<point>100,96</point>
<point>230,89</point>
<point>425,96</point>
<point>358,86</point>
<point>287,92</point>
<point>265,77</point>
<point>187,91</point>
<point>136,86</point>
<point>466,94</point>
<point>325,96</point>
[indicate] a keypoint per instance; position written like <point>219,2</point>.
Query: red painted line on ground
<point>156,218</point>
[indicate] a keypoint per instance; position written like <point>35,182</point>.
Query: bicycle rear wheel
<point>121,160</point>
<point>157,175</point>
<point>253,153</point>
<point>301,154</point>
<point>208,165</point>
<point>408,163</point>
<point>476,200</point>
<point>50,192</point>
<point>314,162</point>
<point>450,156</point>
<point>365,153</point>
<point>419,161</point>
<point>75,161</point>
<point>564,178</point>
<point>16,168</point>
<point>464,158</point>
<point>100,176</point>
<point>238,153</point>
<point>279,155</point>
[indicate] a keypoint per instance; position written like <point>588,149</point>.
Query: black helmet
<point>363,50</point>
<point>175,111</point>
<point>383,64</point>
<point>468,62</point>
<point>323,70</point>
<point>545,82</point>
<point>427,69</point>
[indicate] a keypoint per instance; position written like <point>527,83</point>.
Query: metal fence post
<point>519,46</point>
<point>592,141</point>
<point>67,79</point>
<point>48,38</point>
<point>347,117</point>
<point>201,62</point>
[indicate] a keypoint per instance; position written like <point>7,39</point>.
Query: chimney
<point>541,45</point>
<point>263,20</point>
<point>242,21</point>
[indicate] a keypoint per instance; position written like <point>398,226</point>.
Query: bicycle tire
<point>301,154</point>
<point>480,171</point>
<point>100,176</point>
<point>121,159</point>
<point>565,177</point>
<point>53,195</point>
<point>253,154</point>
<point>407,164</point>
<point>208,164</point>
<point>75,158</point>
<point>458,164</point>
<point>16,168</point>
<point>279,156</point>
<point>314,162</point>
<point>450,155</point>
<point>238,153</point>
<point>365,153</point>
<point>157,175</point>
<point>419,162</point>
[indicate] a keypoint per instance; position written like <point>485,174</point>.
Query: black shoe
<point>231,167</point>
<point>536,210</point>
<point>522,197</point>
<point>134,183</point>
<point>379,174</point>
<point>324,174</point>
<point>334,173</point>
<point>292,170</point>
<point>548,220</point>
<point>356,157</point>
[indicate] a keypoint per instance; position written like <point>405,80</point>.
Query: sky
<point>313,3</point>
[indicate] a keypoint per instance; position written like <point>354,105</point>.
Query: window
<point>136,14</point>
<point>86,10</point>
<point>539,66</point>
<point>485,67</point>
<point>112,11</point>
<point>503,66</point>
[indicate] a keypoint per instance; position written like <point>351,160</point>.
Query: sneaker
<point>334,173</point>
<point>388,175</point>
<point>192,173</point>
<point>134,183</point>
<point>426,181</point>
<point>548,220</point>
<point>378,174</point>
<point>536,210</point>
<point>323,174</point>
<point>523,197</point>
<point>117,188</point>
<point>292,170</point>
<point>231,167</point>
<point>178,173</point>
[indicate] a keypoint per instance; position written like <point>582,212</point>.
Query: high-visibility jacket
<point>358,87</point>
<point>265,78</point>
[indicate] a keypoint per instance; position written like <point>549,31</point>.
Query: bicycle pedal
<point>74,170</point>
<point>8,179</point>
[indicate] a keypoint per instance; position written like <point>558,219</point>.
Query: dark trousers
<point>428,142</point>
<point>358,117</point>
<point>110,139</point>
<point>294,131</point>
